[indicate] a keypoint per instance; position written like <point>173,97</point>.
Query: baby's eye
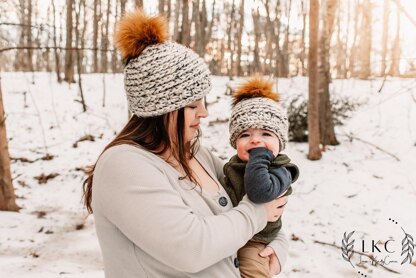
<point>244,135</point>
<point>191,106</point>
<point>267,134</point>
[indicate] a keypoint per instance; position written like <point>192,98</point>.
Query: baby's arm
<point>261,183</point>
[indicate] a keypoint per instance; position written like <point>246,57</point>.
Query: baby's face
<point>254,138</point>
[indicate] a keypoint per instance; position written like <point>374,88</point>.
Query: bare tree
<point>285,49</point>
<point>7,196</point>
<point>185,36</point>
<point>55,44</point>
<point>20,61</point>
<point>95,35</point>
<point>385,36</point>
<point>395,55</point>
<point>69,63</point>
<point>326,121</point>
<point>29,35</point>
<point>354,47</point>
<point>313,104</point>
<point>230,31</point>
<point>239,37</point>
<point>365,40</point>
<point>257,35</point>
<point>104,39</point>
<point>303,51</point>
<point>139,4</point>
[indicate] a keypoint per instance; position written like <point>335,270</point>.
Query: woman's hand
<point>274,265</point>
<point>275,208</point>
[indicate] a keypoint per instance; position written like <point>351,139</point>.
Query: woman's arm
<point>280,246</point>
<point>138,199</point>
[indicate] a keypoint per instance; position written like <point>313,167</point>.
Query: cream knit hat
<point>160,76</point>
<point>255,105</point>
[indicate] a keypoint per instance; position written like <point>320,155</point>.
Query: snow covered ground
<point>357,186</point>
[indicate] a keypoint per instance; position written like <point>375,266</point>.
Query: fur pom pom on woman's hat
<point>160,76</point>
<point>256,105</point>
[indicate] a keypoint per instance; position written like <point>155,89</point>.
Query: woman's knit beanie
<point>256,105</point>
<point>160,76</point>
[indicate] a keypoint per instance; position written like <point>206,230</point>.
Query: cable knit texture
<point>164,78</point>
<point>259,112</point>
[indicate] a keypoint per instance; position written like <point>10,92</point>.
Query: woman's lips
<point>195,126</point>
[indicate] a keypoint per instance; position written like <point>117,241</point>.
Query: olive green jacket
<point>233,183</point>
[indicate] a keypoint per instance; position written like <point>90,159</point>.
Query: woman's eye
<point>191,106</point>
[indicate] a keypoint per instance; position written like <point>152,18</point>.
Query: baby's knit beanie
<point>256,105</point>
<point>160,76</point>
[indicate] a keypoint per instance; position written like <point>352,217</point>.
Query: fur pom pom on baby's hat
<point>160,76</point>
<point>254,87</point>
<point>256,105</point>
<point>136,30</point>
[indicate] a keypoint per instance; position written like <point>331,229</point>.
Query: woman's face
<point>193,113</point>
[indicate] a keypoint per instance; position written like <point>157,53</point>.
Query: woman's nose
<point>203,113</point>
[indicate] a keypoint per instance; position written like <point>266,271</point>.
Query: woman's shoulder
<point>127,155</point>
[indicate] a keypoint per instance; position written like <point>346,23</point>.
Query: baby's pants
<point>252,265</point>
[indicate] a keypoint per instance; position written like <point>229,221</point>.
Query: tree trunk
<point>55,44</point>
<point>313,104</point>
<point>7,196</point>
<point>186,26</point>
<point>326,121</point>
<point>239,38</point>
<point>122,7</point>
<point>176,23</point>
<point>229,40</point>
<point>257,34</point>
<point>354,47</point>
<point>29,36</point>
<point>20,61</point>
<point>105,40</point>
<point>114,60</point>
<point>139,4</point>
<point>365,41</point>
<point>161,6</point>
<point>79,52</point>
<point>395,57</point>
<point>285,50</point>
<point>69,63</point>
<point>95,36</point>
<point>303,46</point>
<point>385,36</point>
<point>196,22</point>
<point>278,53</point>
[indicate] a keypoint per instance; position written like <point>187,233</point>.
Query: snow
<point>356,186</point>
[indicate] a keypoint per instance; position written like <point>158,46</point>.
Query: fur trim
<point>256,86</point>
<point>136,30</point>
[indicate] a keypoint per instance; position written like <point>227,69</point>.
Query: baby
<point>258,130</point>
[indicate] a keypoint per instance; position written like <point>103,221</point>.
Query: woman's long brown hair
<point>152,134</point>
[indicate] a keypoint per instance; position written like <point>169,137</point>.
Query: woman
<point>159,209</point>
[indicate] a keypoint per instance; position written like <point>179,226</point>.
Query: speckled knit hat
<point>255,105</point>
<point>160,76</point>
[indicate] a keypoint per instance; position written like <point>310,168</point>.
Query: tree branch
<point>371,144</point>
<point>361,253</point>
<point>54,47</point>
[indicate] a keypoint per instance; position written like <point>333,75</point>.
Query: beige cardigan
<point>150,224</point>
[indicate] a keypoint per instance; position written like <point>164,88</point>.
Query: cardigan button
<point>236,263</point>
<point>223,201</point>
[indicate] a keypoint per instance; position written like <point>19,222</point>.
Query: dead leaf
<point>87,137</point>
<point>294,237</point>
<point>45,178</point>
